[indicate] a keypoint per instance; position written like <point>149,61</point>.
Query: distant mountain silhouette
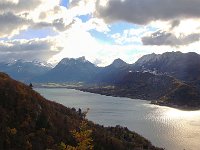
<point>70,70</point>
<point>112,73</point>
<point>81,70</point>
<point>118,63</point>
<point>183,66</point>
<point>24,70</point>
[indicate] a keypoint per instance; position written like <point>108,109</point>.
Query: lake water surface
<point>165,127</point>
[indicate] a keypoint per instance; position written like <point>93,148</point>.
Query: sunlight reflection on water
<point>166,127</point>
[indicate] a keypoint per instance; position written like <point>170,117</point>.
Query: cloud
<point>18,15</point>
<point>144,11</point>
<point>98,52</point>
<point>40,49</point>
<point>167,38</point>
<point>175,23</point>
<point>97,62</point>
<point>11,24</point>
<point>172,19</point>
<point>81,7</point>
<point>130,36</point>
<point>58,24</point>
<point>18,6</point>
<point>96,24</point>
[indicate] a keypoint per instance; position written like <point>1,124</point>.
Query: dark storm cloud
<point>166,38</point>
<point>41,49</point>
<point>145,11</point>
<point>13,15</point>
<point>10,23</point>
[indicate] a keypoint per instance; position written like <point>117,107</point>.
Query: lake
<point>166,127</point>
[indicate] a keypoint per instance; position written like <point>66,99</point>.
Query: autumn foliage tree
<point>82,137</point>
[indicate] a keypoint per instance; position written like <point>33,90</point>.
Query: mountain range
<point>183,66</point>
<point>70,70</point>
<point>164,77</point>
<point>24,70</point>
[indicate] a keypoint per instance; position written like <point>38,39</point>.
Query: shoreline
<point>153,102</point>
<point>183,108</point>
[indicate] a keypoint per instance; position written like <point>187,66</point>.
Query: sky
<point>100,30</point>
